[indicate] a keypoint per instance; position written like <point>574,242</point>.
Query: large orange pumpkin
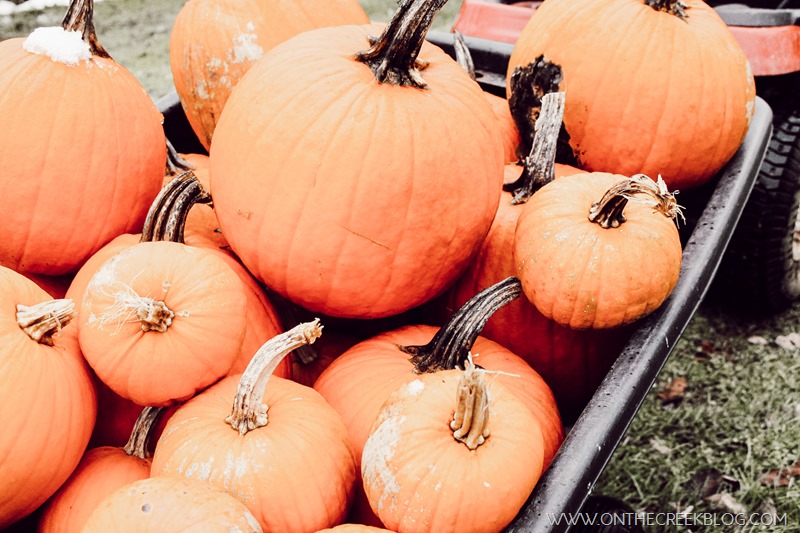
<point>653,86</point>
<point>451,452</point>
<point>273,443</point>
<point>349,180</point>
<point>49,404</point>
<point>101,471</point>
<point>598,250</point>
<point>213,43</point>
<point>82,149</point>
<point>159,505</point>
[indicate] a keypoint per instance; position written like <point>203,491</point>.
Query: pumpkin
<point>335,162</point>
<point>161,320</point>
<point>352,528</point>
<point>654,86</point>
<point>156,505</point>
<point>358,382</point>
<point>597,250</point>
<point>79,132</point>
<point>451,451</point>
<point>273,443</point>
<point>101,471</point>
<point>49,404</point>
<point>213,43</point>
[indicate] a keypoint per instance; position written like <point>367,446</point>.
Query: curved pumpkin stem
<point>470,422</point>
<point>450,347</point>
<point>673,7</point>
<point>44,320</point>
<point>463,55</point>
<point>609,211</point>
<point>166,218</point>
<point>249,412</point>
<point>289,316</point>
<point>142,430</point>
<point>393,56</point>
<point>539,165</point>
<point>175,163</point>
<point>80,18</point>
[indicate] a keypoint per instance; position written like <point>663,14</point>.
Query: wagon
<point>567,485</point>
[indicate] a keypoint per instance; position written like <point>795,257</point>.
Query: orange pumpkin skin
<point>260,467</point>
<point>198,347</point>
<point>419,478</point>
<point>213,43</point>
<point>100,472</point>
<point>74,137</point>
<point>683,122</point>
<point>582,275</point>
<point>352,528</point>
<point>164,505</point>
<point>572,362</point>
<point>343,197</point>
<point>508,128</point>
<point>42,387</point>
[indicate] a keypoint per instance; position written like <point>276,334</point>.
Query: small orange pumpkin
<point>281,448</point>
<point>44,383</point>
<point>156,505</point>
<point>597,250</point>
<point>100,472</point>
<point>451,452</point>
<point>82,147</point>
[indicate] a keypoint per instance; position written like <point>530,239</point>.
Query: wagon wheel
<point>610,515</point>
<point>763,258</point>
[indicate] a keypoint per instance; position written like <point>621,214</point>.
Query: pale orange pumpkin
<point>49,403</point>
<point>213,43</point>
<point>160,505</point>
<point>82,147</point>
<point>654,86</point>
<point>273,443</point>
<point>452,451</point>
<point>337,161</point>
<point>101,471</point>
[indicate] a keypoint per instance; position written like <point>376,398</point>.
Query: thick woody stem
<point>673,7</point>
<point>393,57</point>
<point>44,320</point>
<point>249,412</point>
<point>166,218</point>
<point>450,347</point>
<point>539,165</point>
<point>289,315</point>
<point>175,163</point>
<point>470,422</point>
<point>140,436</point>
<point>609,211</point>
<point>463,55</point>
<point>80,18</point>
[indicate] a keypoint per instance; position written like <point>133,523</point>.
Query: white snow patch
<point>58,44</point>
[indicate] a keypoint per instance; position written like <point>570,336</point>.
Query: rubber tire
<point>596,506</point>
<point>759,272</point>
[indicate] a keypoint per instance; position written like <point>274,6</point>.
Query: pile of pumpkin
<point>357,176</point>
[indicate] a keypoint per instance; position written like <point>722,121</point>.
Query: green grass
<point>740,416</point>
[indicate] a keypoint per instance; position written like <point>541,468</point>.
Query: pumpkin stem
<point>392,57</point>
<point>166,218</point>
<point>142,429</point>
<point>175,163</point>
<point>450,347</point>
<point>463,55</point>
<point>539,166</point>
<point>80,18</point>
<point>608,212</point>
<point>470,422</point>
<point>673,7</point>
<point>249,411</point>
<point>44,320</point>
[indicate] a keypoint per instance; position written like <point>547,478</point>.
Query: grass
<point>740,414</point>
